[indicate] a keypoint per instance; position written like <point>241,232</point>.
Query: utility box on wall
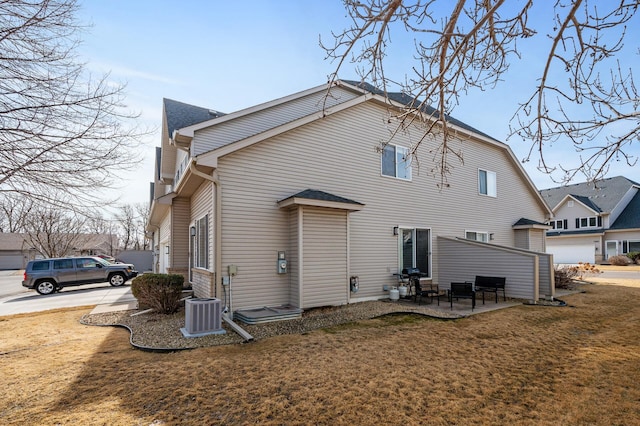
<point>282,263</point>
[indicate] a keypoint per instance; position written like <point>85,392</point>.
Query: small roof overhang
<point>315,198</point>
<point>523,223</point>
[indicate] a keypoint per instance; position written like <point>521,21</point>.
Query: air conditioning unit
<point>202,317</point>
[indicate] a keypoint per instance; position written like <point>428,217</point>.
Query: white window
<point>478,236</point>
<point>396,162</point>
<point>415,249</point>
<point>487,183</point>
<point>559,224</point>
<point>201,243</point>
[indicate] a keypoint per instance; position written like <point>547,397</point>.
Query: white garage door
<point>11,262</point>
<point>572,253</point>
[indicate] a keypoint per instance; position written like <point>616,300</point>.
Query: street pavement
<point>15,299</point>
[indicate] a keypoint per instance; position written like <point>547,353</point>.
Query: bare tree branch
<point>469,44</point>
<point>61,130</point>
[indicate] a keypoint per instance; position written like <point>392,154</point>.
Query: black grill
<point>412,272</point>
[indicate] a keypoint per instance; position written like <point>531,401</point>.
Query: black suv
<point>50,275</point>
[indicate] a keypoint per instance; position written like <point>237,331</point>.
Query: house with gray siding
<point>594,221</point>
<point>291,201</point>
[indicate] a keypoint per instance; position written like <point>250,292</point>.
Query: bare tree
<point>61,129</point>
<point>126,218</point>
<point>583,94</point>
<point>142,210</point>
<point>54,232</point>
<point>13,211</point>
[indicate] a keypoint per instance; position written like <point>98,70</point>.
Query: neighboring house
<point>16,249</point>
<point>235,195</point>
<point>594,221</point>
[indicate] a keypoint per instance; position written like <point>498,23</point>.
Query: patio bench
<point>491,285</point>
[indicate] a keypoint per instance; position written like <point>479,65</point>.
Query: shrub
<point>160,292</point>
<point>634,256</point>
<point>566,274</point>
<point>619,260</point>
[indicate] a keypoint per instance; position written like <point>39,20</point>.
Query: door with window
<point>414,249</point>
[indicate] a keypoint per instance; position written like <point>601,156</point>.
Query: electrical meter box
<point>282,263</point>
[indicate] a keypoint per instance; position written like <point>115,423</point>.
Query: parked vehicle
<point>47,276</point>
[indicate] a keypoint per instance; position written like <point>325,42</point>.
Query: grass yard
<point>528,365</point>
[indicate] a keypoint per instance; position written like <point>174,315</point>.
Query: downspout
<point>218,224</point>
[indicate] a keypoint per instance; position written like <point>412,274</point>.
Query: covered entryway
<point>319,264</point>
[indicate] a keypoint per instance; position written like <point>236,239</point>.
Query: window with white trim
<point>396,162</point>
<point>478,236</point>
<point>201,243</point>
<point>487,184</point>
<point>559,224</point>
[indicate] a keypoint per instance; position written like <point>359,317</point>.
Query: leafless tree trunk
<point>61,129</point>
<point>126,218</point>
<point>583,96</point>
<point>142,209</point>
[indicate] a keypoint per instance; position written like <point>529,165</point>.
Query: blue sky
<point>231,55</point>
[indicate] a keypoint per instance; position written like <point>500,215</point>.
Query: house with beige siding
<point>594,221</point>
<point>291,201</point>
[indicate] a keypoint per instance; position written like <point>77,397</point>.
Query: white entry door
<point>611,249</point>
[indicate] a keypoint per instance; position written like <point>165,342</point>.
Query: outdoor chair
<point>430,290</point>
<point>462,291</point>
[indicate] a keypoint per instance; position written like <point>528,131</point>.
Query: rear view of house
<point>309,201</point>
<point>594,220</point>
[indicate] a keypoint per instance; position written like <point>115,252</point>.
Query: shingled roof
<point>181,115</point>
<point>601,196</point>
<point>407,99</point>
<point>630,217</point>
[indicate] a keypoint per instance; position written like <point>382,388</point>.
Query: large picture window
<point>415,249</point>
<point>396,162</point>
<point>201,243</point>
<point>487,184</point>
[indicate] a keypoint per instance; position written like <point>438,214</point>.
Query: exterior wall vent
<point>202,317</point>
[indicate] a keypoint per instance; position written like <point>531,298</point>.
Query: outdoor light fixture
<point>166,250</point>
<point>193,231</point>
<point>395,230</point>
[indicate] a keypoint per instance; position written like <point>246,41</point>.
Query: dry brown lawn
<point>532,365</point>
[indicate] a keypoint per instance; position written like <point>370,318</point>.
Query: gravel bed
<point>159,332</point>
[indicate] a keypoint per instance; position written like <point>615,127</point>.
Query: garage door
<point>11,261</point>
<point>572,253</point>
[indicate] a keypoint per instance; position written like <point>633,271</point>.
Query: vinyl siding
<point>201,205</point>
<point>462,261</point>
<point>293,257</point>
<point>571,213</point>
<point>338,155</point>
<point>325,257</point>
<point>179,249</point>
<point>260,121</point>
<point>521,238</point>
